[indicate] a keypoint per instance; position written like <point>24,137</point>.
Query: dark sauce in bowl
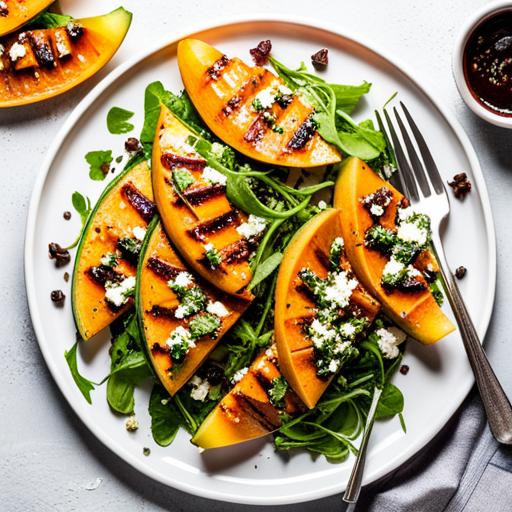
<point>488,63</point>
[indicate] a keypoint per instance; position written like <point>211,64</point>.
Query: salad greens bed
<point>339,417</point>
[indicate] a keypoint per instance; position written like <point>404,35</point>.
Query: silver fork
<point>427,194</point>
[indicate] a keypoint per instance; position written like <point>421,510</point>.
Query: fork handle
<point>497,405</point>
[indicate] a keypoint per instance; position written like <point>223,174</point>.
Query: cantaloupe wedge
<point>156,304</point>
<point>293,308</point>
<point>126,204</point>
<point>246,411</point>
<point>223,91</point>
<point>416,313</point>
<point>18,12</point>
<point>202,215</point>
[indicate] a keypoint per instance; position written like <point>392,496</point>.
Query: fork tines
<point>411,178</point>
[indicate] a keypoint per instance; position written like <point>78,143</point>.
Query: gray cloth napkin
<point>462,469</point>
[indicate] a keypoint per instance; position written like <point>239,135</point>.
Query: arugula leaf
<point>99,162</point>
<point>265,269</point>
<point>165,419</point>
<point>117,121</point>
<point>84,385</point>
<point>83,207</point>
<point>348,96</point>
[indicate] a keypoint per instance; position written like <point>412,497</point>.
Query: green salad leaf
<point>99,162</point>
<point>117,121</point>
<point>83,207</point>
<point>84,385</point>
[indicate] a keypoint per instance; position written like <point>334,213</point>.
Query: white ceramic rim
<point>37,322</point>
<point>458,61</point>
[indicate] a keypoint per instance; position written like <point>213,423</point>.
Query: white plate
<point>439,377</point>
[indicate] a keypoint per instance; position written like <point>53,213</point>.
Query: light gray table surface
<point>47,456</point>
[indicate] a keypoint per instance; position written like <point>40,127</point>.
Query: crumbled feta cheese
<point>180,335</point>
<point>239,375</point>
<point>283,89</point>
<point>170,141</point>
<point>209,247</point>
<point>320,333</point>
<point>269,353</point>
<point>181,311</point>
<point>217,308</point>
<point>348,329</point>
<point>62,49</point>
<point>322,205</point>
<point>266,97</point>
<point>339,242</point>
<point>254,226</point>
<point>376,210</point>
<point>139,233</point>
<point>405,213</point>
<point>217,149</point>
<point>333,365</point>
<point>17,52</point>
<point>132,424</point>
<point>109,260</point>
<point>341,290</point>
<point>213,176</point>
<point>200,388</point>
<point>388,340</point>
<point>392,267</point>
<point>183,279</point>
<point>430,267</point>
<point>341,347</point>
<point>119,293</point>
<point>410,232</point>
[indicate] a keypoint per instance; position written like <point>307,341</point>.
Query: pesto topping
<point>109,260</point>
<point>277,392</point>
<point>204,324</point>
<point>213,256</point>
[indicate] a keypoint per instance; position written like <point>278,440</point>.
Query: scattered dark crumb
<point>95,310</point>
<point>261,52</point>
<point>132,145</point>
<point>403,314</point>
<point>460,272</point>
<point>320,59</point>
<point>105,168</point>
<point>146,451</point>
<point>66,276</point>
<point>404,369</point>
<point>288,305</point>
<point>119,159</point>
<point>113,170</point>
<point>58,297</point>
<point>461,185</point>
<point>98,230</point>
<point>67,215</point>
<point>255,467</point>
<point>57,253</point>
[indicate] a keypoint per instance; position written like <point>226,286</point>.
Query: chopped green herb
<point>337,247</point>
<point>119,159</point>
<point>380,239</point>
<point>278,391</point>
<point>436,292</point>
<point>109,260</point>
<point>201,325</point>
<point>192,300</point>
<point>99,162</point>
<point>117,121</point>
<point>278,129</point>
<point>256,105</point>
<point>183,179</point>
<point>213,256</point>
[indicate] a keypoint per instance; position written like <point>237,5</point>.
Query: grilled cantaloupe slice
<point>125,205</point>
<point>18,12</point>
<point>52,61</point>
<point>223,91</point>
<point>294,308</point>
<point>246,411</point>
<point>416,313</point>
<point>156,306</point>
<point>200,215</point>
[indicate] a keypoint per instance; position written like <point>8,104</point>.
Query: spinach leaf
<point>265,269</point>
<point>83,207</point>
<point>85,386</point>
<point>165,417</point>
<point>391,402</point>
<point>117,121</point>
<point>99,162</point>
<point>48,20</point>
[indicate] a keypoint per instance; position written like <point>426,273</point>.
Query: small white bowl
<point>463,36</point>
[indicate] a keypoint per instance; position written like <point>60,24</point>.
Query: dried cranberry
<point>60,255</point>
<point>67,215</point>
<point>460,272</point>
<point>132,145</point>
<point>404,369</point>
<point>58,297</point>
<point>214,375</point>
<point>320,59</point>
<point>261,53</point>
